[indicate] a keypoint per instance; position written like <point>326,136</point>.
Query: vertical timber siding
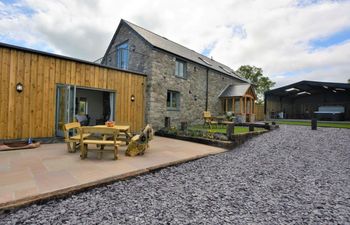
<point>31,113</point>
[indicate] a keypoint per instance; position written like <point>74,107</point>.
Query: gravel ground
<point>292,175</point>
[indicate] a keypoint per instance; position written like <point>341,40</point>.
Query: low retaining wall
<point>238,139</point>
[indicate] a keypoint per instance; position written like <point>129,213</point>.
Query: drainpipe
<point>207,91</point>
<point>265,103</point>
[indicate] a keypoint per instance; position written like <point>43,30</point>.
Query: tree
<point>349,81</point>
<point>255,76</point>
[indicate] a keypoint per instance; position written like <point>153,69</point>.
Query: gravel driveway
<point>292,175</point>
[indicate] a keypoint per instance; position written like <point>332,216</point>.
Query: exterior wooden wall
<point>31,113</point>
<point>259,112</point>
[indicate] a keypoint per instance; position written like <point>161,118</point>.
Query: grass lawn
<point>319,123</point>
<point>222,129</point>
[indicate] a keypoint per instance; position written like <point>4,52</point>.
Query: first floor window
<point>123,55</point>
<point>180,68</point>
<point>173,100</point>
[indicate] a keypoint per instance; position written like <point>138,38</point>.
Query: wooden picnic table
<point>122,129</point>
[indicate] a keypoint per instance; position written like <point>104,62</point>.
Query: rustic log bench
<point>99,141</point>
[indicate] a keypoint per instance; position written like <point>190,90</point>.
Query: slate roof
<point>177,49</point>
<point>235,90</point>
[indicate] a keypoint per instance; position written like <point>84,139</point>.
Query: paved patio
<point>30,175</point>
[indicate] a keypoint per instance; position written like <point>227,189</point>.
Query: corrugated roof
<point>235,90</point>
<point>177,49</point>
<point>313,87</point>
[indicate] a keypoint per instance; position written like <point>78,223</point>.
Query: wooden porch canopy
<point>239,99</point>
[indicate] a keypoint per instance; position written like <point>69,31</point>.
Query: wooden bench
<point>100,141</point>
<point>75,139</point>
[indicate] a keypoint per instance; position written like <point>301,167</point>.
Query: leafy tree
<point>349,81</point>
<point>256,76</point>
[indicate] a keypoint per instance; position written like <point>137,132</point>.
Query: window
<point>205,61</point>
<point>82,106</point>
<point>237,106</point>
<point>225,69</point>
<point>180,68</point>
<point>173,100</point>
<point>229,105</point>
<point>123,55</point>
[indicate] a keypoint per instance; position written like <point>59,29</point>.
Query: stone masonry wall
<point>217,83</point>
<point>160,69</point>
<point>164,79</point>
<point>139,59</point>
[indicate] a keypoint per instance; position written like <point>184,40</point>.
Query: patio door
<point>65,107</point>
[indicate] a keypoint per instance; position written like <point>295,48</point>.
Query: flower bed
<point>215,137</point>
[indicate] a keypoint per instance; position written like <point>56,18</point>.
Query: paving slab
<point>30,175</point>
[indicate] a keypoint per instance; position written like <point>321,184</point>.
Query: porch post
<point>251,106</point>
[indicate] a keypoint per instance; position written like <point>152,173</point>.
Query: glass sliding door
<point>65,107</point>
<point>112,106</point>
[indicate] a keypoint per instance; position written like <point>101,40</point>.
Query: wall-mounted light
<point>132,48</point>
<point>195,97</point>
<point>19,87</point>
<point>132,98</point>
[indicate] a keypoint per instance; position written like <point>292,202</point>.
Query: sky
<point>291,40</point>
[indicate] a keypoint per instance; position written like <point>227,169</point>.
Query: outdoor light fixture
<point>340,89</point>
<point>19,87</point>
<point>334,91</point>
<point>325,86</point>
<point>132,48</point>
<point>132,98</point>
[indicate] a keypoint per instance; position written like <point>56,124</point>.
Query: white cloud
<point>271,34</point>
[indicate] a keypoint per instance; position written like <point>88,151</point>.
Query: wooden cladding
<point>31,113</point>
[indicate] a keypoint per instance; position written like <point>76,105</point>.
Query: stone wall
<point>139,58</point>
<point>217,83</point>
<point>139,50</point>
<point>192,90</point>
<point>192,87</point>
<point>160,69</point>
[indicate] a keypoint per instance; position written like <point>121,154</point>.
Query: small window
<point>83,106</point>
<point>123,55</point>
<point>205,61</point>
<point>180,68</point>
<point>173,100</point>
<point>225,69</point>
<point>237,105</point>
